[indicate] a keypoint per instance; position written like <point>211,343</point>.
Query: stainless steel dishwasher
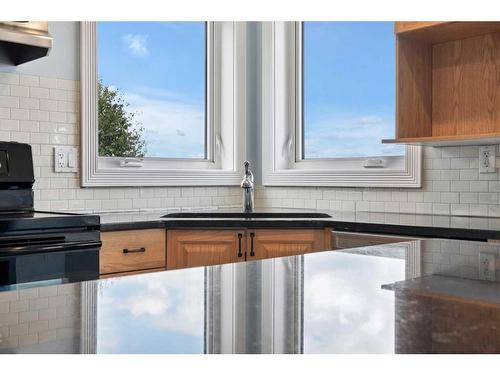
<point>347,240</point>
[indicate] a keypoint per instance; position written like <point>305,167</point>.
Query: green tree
<point>120,134</point>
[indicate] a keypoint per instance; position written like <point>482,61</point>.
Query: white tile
<point>50,83</point>
<point>39,92</point>
<point>9,101</point>
<point>9,125</point>
<point>20,114</point>
<point>29,103</point>
<point>29,80</point>
<point>20,91</point>
<point>9,78</point>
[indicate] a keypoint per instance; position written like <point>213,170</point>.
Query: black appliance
<point>40,246</point>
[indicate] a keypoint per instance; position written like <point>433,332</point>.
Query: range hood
<point>23,41</point>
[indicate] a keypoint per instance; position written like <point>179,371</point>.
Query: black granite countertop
<point>438,226</point>
<point>421,296</point>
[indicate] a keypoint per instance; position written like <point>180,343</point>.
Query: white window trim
<point>226,98</point>
<point>280,121</point>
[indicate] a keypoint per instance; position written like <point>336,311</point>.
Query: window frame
<point>224,117</point>
<point>282,127</point>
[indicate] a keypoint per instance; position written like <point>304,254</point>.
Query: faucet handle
<point>247,182</point>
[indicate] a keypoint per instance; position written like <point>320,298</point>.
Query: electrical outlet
<point>487,266</point>
<point>65,159</point>
<point>60,159</point>
<point>487,159</point>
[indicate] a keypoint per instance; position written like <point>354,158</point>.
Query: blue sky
<point>160,68</point>
<point>349,84</point>
<point>349,89</point>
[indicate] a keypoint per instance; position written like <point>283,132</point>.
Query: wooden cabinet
<point>132,250</point>
<point>127,252</point>
<point>446,85</point>
<point>192,248</point>
<point>270,243</point>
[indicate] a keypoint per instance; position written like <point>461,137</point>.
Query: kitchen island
<point>421,296</point>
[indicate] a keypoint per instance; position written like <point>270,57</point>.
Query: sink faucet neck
<point>248,188</point>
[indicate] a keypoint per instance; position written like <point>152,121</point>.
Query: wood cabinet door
<point>193,248</point>
<point>271,243</point>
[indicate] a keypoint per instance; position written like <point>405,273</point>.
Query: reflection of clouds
<point>346,312</point>
<point>145,305</point>
<point>168,302</point>
<point>167,121</point>
<point>167,305</point>
<point>349,136</point>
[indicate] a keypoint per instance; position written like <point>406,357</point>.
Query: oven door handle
<point>48,248</point>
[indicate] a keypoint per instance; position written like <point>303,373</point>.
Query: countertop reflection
<point>412,297</point>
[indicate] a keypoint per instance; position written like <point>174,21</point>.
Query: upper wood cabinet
<point>270,243</point>
<point>448,91</point>
<point>193,248</point>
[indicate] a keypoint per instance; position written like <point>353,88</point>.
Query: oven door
<point>52,263</point>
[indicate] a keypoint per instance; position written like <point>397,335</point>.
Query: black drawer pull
<point>139,250</point>
<point>252,253</point>
<point>240,254</point>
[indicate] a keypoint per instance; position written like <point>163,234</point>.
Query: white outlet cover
<point>65,159</point>
<point>487,159</point>
<point>487,266</point>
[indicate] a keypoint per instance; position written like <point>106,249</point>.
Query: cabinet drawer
<point>132,250</point>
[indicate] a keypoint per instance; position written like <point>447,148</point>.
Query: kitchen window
<point>328,101</point>
<point>161,103</point>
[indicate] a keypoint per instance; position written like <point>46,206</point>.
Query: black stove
<point>40,246</point>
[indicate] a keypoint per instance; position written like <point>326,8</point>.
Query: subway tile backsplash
<point>45,112</point>
<point>451,185</point>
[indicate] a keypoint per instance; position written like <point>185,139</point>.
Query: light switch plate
<point>487,159</point>
<point>65,159</point>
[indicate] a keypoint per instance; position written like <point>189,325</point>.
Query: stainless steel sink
<point>246,215</point>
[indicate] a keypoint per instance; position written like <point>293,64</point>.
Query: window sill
<point>192,177</point>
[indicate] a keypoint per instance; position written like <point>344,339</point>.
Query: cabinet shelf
<point>447,87</point>
<point>455,140</point>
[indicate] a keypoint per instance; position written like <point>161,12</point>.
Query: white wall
<point>63,60</point>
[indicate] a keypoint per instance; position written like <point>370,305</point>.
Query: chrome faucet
<point>248,190</point>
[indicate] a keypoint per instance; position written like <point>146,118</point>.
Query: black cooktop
<point>41,220</point>
<point>10,215</point>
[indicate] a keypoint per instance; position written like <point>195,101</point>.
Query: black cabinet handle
<point>139,250</point>
<point>252,253</point>
<point>240,254</point>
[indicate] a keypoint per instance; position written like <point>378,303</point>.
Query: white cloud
<point>350,136</point>
<point>346,312</point>
<point>163,300</point>
<point>370,120</point>
<point>173,128</point>
<point>136,43</point>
